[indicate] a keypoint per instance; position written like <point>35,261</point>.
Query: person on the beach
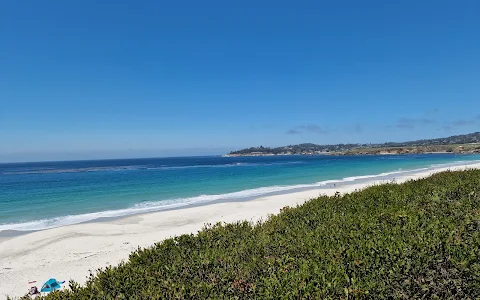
<point>34,290</point>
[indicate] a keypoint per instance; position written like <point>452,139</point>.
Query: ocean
<point>36,196</point>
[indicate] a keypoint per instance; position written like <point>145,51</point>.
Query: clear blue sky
<point>91,79</point>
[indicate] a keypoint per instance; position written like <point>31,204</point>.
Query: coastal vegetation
<point>420,239</point>
<point>466,143</point>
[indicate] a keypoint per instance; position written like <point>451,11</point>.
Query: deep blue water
<point>35,196</point>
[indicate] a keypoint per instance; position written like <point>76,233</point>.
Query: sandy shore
<point>70,252</point>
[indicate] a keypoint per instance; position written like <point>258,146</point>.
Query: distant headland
<point>461,144</point>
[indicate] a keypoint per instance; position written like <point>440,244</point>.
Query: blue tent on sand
<point>51,285</point>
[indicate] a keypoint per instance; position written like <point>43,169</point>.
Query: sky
<point>107,79</point>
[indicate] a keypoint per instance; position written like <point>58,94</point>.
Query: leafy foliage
<point>420,239</point>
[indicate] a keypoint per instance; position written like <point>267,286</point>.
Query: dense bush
<point>420,239</point>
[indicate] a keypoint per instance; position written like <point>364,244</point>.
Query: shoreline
<point>69,252</point>
<point>10,230</point>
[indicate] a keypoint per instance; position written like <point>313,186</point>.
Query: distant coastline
<point>459,144</point>
<point>475,149</point>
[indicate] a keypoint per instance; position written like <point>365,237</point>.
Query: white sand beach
<point>70,252</point>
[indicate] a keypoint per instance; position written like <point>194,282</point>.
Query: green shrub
<point>420,239</point>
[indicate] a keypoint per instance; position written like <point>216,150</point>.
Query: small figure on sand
<point>33,292</point>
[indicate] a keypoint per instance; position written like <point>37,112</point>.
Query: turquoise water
<point>36,196</point>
